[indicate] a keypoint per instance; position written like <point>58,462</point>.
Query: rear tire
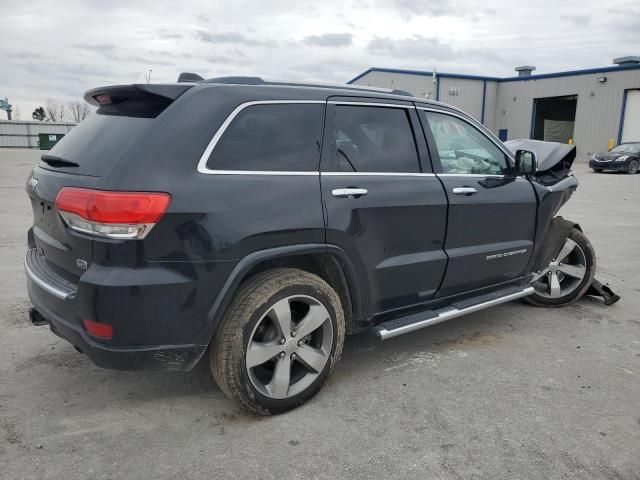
<point>278,341</point>
<point>633,166</point>
<point>567,277</point>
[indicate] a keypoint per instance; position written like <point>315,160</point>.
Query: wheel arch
<point>329,262</point>
<point>553,239</point>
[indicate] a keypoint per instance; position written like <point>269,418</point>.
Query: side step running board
<point>398,326</point>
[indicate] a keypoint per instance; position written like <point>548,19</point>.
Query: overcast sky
<point>61,48</point>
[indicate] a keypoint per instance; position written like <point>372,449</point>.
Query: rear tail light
<point>100,330</point>
<point>122,215</point>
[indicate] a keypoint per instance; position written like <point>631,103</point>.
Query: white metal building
<point>24,134</point>
<point>590,107</point>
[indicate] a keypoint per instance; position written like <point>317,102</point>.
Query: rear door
<point>492,212</point>
<point>382,202</point>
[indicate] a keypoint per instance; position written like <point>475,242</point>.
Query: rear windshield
<point>97,142</point>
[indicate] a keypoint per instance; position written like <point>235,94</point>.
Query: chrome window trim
<point>202,163</point>
<point>371,104</point>
<point>259,172</point>
<point>378,174</point>
<point>479,175</point>
<point>474,175</point>
<point>478,126</point>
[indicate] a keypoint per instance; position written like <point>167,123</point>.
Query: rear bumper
<point>164,357</point>
<point>159,320</point>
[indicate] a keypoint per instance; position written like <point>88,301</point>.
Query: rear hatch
<point>83,158</point>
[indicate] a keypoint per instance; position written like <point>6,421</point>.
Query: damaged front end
<point>554,183</point>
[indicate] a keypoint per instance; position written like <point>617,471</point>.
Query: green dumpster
<point>46,141</point>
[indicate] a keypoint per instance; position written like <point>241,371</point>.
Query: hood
<point>550,155</point>
<point>611,155</point>
<point>554,159</point>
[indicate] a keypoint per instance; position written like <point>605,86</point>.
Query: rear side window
<point>373,139</point>
<point>271,137</point>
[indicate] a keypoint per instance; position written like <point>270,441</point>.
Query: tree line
<point>55,111</point>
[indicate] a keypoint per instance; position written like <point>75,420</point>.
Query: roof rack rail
<point>237,80</point>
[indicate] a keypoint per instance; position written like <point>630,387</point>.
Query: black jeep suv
<point>260,222</point>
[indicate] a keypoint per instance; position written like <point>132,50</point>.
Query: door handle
<point>464,190</point>
<point>349,192</point>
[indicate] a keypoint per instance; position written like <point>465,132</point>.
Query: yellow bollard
<point>570,141</point>
<point>612,143</point>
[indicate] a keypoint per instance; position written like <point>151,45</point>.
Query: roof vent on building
<point>525,70</point>
<point>629,60</point>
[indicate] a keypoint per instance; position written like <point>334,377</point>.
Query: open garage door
<point>554,118</point>
<point>631,117</point>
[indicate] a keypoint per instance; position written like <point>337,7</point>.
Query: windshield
<point>627,148</point>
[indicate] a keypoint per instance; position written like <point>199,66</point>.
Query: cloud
<point>221,59</point>
<point>100,48</point>
<point>48,51</point>
<point>416,46</point>
<point>578,19</point>
<point>408,9</point>
<point>169,35</point>
<point>236,38</point>
<point>330,40</point>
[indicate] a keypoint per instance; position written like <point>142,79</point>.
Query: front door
<point>383,204</point>
<point>492,212</point>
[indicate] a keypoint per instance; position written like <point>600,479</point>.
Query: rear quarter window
<point>271,137</point>
<point>99,141</point>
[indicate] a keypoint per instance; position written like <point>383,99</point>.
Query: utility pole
<point>6,106</point>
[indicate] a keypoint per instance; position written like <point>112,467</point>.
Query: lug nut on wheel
<point>282,340</point>
<point>293,333</point>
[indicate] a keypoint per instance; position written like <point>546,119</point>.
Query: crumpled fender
<point>556,235</point>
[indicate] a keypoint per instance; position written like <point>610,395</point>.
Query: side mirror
<point>526,162</point>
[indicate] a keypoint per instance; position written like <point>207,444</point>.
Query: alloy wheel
<point>564,273</point>
<point>289,346</point>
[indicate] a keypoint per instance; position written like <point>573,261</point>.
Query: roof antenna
<point>147,76</point>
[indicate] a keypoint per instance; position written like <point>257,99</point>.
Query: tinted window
<point>373,139</point>
<point>463,148</point>
<point>271,137</point>
<point>98,141</point>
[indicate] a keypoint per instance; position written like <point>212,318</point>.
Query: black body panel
<point>490,233</point>
<point>393,235</point>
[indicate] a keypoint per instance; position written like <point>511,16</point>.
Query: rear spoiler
<point>114,94</point>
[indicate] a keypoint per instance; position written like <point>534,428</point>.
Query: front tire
<point>278,341</point>
<point>632,168</point>
<point>568,276</point>
<point>597,170</point>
